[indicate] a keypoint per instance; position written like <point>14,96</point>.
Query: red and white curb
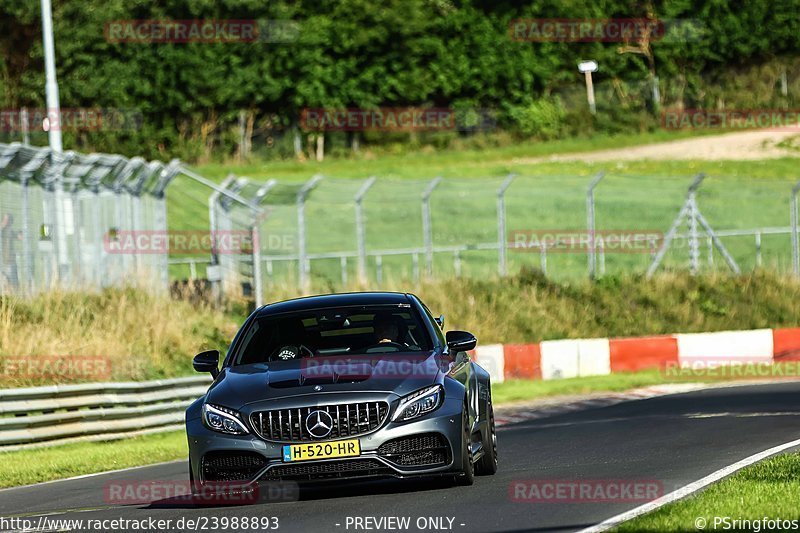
<point>555,359</point>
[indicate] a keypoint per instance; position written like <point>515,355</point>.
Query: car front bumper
<point>388,451</point>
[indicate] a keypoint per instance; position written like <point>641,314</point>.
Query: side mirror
<point>207,362</point>
<point>460,341</point>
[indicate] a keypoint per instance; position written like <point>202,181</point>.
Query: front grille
<point>349,420</point>
<point>425,449</point>
<point>231,466</point>
<point>327,470</point>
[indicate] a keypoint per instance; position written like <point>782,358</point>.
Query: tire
<point>487,464</point>
<point>467,475</point>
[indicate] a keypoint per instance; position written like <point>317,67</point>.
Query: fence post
<point>343,267</point>
<point>60,161</point>
<point>543,257</point>
<point>795,242</point>
<point>27,263</point>
<point>166,176</point>
<point>77,272</point>
<point>213,271</point>
<point>686,209</point>
<point>694,244</point>
<point>590,223</point>
<point>301,230</point>
<point>258,218</point>
<point>502,262</point>
<point>255,231</point>
<point>427,230</point>
<point>361,238</point>
<point>758,248</point>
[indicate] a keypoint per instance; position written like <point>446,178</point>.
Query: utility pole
<point>54,132</point>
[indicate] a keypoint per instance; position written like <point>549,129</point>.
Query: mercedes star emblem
<point>319,424</point>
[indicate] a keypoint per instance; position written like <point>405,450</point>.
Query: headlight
<point>223,420</point>
<point>419,403</point>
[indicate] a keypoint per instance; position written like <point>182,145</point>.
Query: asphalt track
<point>672,440</point>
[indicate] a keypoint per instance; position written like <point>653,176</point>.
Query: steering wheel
<point>287,353</point>
<point>398,347</point>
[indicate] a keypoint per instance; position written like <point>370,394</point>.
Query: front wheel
<point>487,464</point>
<point>467,476</point>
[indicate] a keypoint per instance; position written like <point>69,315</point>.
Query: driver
<point>386,329</point>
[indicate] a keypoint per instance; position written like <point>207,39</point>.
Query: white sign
<point>587,66</point>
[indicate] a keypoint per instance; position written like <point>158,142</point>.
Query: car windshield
<point>333,331</point>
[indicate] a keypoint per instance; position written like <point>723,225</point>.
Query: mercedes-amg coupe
<point>342,386</point>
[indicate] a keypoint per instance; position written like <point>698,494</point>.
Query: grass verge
<point>24,467</point>
<point>145,336</point>
<point>767,489</point>
<point>135,334</point>
<point>522,389</point>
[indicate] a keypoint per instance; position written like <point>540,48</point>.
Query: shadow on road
<point>304,492</point>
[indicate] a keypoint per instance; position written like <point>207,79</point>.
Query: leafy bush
<point>543,119</point>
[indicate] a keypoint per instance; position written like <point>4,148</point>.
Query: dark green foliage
<point>365,54</point>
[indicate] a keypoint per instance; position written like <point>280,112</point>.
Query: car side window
<point>437,330</point>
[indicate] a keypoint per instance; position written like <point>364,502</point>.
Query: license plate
<point>321,450</point>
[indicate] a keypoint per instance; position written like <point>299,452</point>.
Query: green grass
<point>522,389</point>
<point>768,489</point>
<point>24,467</point>
<point>429,162</point>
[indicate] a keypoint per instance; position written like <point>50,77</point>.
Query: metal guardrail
<point>58,414</point>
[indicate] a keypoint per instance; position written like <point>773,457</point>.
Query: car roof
<point>335,300</point>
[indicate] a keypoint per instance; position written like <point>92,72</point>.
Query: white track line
<point>691,488</point>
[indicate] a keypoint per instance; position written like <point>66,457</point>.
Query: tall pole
<point>54,133</point>
<point>502,242</point>
<point>51,86</point>
<point>590,223</point>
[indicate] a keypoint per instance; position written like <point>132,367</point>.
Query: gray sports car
<point>342,386</point>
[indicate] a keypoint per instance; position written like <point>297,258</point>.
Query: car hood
<point>399,373</point>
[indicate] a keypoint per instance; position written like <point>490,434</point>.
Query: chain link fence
<point>78,221</point>
<point>65,218</point>
<point>330,232</point>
